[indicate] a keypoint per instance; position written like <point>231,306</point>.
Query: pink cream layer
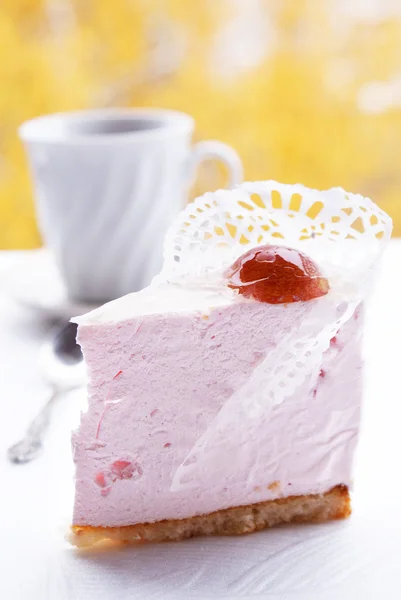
<point>156,382</point>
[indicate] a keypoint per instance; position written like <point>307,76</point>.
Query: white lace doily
<point>343,233</point>
<point>220,226</point>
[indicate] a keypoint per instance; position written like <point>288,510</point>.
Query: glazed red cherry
<point>276,275</point>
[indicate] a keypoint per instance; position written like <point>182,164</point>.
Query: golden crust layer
<point>334,504</point>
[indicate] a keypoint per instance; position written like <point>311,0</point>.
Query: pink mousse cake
<point>184,433</point>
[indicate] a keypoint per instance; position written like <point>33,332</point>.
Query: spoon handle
<point>31,445</point>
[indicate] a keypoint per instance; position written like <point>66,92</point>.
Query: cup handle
<point>215,150</point>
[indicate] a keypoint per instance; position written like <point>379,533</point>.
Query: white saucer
<point>31,278</point>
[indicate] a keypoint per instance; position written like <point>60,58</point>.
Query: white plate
<point>32,279</point>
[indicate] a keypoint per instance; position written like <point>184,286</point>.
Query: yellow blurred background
<point>305,90</point>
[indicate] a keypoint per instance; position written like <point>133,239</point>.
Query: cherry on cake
<point>225,397</point>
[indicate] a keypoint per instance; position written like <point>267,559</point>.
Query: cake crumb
<point>273,486</point>
<point>257,488</point>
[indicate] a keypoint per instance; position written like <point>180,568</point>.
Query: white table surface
<point>358,558</point>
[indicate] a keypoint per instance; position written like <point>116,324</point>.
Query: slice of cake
<point>225,397</point>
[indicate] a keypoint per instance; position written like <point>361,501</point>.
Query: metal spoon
<point>61,364</point>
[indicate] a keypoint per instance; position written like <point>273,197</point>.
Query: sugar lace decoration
<point>343,233</point>
<point>220,226</point>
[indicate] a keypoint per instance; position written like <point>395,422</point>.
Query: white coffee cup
<point>107,185</point>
